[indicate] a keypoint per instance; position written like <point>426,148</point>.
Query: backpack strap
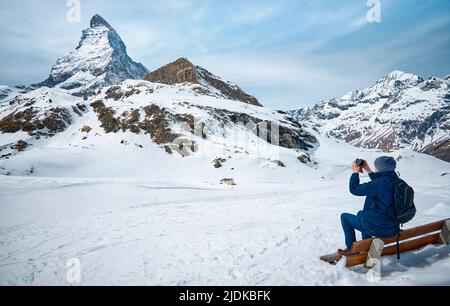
<point>398,242</point>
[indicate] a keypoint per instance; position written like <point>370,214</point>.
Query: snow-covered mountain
<point>401,110</point>
<point>162,121</point>
<point>100,59</point>
<point>183,71</point>
<point>180,110</point>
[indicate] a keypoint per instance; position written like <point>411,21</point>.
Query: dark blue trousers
<point>350,223</point>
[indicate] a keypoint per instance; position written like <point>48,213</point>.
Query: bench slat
<point>358,259</point>
<point>412,245</point>
<point>417,231</point>
<point>364,245</point>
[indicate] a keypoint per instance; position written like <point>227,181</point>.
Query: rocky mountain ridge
<point>183,71</point>
<point>401,110</point>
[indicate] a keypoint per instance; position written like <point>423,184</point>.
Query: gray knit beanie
<point>385,164</point>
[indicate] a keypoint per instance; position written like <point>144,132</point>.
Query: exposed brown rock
<point>129,121</point>
<point>79,109</point>
<point>116,93</point>
<point>156,124</point>
<point>183,71</point>
<point>55,120</point>
<point>108,122</point>
<point>180,71</point>
<point>439,149</point>
<point>20,146</point>
<point>6,156</point>
<point>189,124</point>
<point>217,163</point>
<point>86,129</point>
<point>279,163</point>
<point>168,150</point>
<point>228,181</point>
<point>304,159</point>
<point>10,124</point>
<point>97,105</point>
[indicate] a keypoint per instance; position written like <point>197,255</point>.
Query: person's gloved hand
<point>366,167</point>
<point>356,168</point>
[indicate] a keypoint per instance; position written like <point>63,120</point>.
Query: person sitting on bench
<point>374,219</point>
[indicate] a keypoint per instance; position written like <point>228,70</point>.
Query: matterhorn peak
<point>100,59</point>
<point>99,21</point>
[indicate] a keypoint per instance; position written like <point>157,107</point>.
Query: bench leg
<point>444,237</point>
<point>375,251</point>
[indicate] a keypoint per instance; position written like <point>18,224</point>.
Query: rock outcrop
<point>183,71</point>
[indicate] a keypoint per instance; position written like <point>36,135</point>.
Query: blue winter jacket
<point>379,195</point>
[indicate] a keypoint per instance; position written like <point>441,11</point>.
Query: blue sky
<point>288,54</point>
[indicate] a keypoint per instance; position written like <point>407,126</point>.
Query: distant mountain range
<point>401,110</point>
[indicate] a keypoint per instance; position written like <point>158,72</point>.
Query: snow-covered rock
<point>400,111</point>
<point>7,92</point>
<point>4,92</point>
<point>100,59</point>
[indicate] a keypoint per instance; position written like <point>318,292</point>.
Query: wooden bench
<point>411,239</point>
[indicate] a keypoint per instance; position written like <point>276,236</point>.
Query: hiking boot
<point>345,252</point>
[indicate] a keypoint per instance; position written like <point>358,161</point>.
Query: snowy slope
<point>100,59</point>
<point>400,111</point>
<point>45,126</point>
<point>178,226</point>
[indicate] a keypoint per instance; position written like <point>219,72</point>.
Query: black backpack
<point>403,209</point>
